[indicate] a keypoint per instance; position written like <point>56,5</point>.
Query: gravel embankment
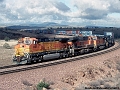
<point>54,73</point>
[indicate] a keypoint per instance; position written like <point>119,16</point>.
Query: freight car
<point>39,49</point>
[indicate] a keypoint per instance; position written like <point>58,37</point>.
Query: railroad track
<point>14,68</point>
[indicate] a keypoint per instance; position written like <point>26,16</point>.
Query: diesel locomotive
<point>30,50</point>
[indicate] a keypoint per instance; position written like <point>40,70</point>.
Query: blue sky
<point>70,12</point>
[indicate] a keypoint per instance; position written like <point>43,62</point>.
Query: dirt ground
<point>100,71</point>
<point>6,54</point>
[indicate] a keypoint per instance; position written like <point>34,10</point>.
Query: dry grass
<point>6,54</point>
<point>11,42</point>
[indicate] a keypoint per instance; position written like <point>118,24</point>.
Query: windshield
<point>27,41</point>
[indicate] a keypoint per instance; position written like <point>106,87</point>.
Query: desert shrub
<point>95,83</point>
<point>101,82</point>
<point>118,65</point>
<point>106,85</point>
<point>117,76</point>
<point>118,68</point>
<point>6,46</point>
<point>81,87</point>
<point>7,39</point>
<point>111,80</point>
<point>118,62</point>
<point>118,85</point>
<point>25,82</point>
<point>42,85</point>
<point>63,89</point>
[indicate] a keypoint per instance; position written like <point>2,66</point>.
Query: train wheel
<point>91,50</point>
<point>40,59</point>
<point>28,57</point>
<point>82,51</point>
<point>106,45</point>
<point>87,51</point>
<point>29,61</point>
<point>113,42</point>
<point>61,55</point>
<point>95,48</point>
<point>14,58</point>
<point>34,60</point>
<point>75,54</point>
<point>98,49</point>
<point>66,55</point>
<point>110,44</point>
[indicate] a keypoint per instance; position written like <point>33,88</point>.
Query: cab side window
<point>34,42</point>
<point>89,38</point>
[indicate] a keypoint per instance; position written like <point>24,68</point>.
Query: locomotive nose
<point>20,51</point>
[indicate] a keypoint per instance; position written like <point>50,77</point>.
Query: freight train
<point>30,50</point>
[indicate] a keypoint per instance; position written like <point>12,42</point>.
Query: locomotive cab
<point>109,36</point>
<point>22,50</point>
<point>110,40</point>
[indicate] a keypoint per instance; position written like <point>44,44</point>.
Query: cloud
<point>1,0</point>
<point>114,6</point>
<point>92,9</point>
<point>94,14</point>
<point>31,11</point>
<point>96,9</point>
<point>77,11</point>
<point>61,6</point>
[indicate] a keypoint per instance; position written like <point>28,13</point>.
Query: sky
<point>66,12</point>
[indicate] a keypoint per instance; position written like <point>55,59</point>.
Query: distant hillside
<point>97,27</point>
<point>11,35</point>
<point>14,32</point>
<point>35,26</point>
<point>18,27</point>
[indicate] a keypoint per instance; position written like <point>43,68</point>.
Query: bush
<point>42,85</point>
<point>107,85</point>
<point>25,82</point>
<point>118,65</point>
<point>81,87</point>
<point>6,46</point>
<point>118,68</point>
<point>118,62</point>
<point>101,82</point>
<point>117,76</point>
<point>95,83</point>
<point>7,39</point>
